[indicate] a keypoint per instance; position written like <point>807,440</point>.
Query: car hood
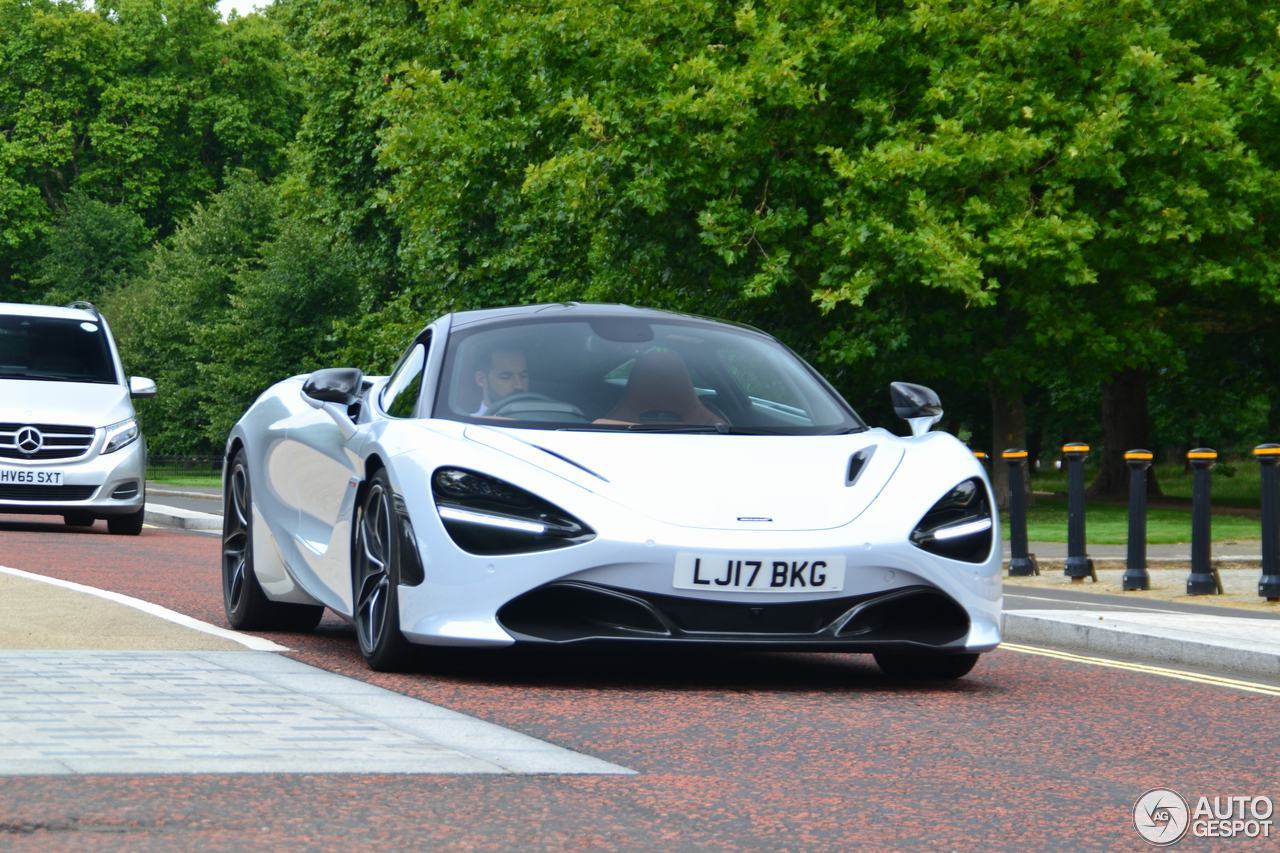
<point>714,481</point>
<point>70,403</point>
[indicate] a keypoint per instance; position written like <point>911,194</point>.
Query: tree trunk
<point>1124,427</point>
<point>1008,430</point>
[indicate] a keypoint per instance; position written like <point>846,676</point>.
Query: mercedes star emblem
<point>30,440</point>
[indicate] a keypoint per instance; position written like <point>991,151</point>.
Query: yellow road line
<point>1211,680</point>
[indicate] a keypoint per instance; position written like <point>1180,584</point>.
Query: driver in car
<point>507,373</point>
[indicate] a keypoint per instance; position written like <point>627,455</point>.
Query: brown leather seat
<point>659,390</point>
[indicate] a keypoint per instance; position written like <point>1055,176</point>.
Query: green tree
<point>143,104</point>
<point>93,249</point>
<point>163,319</point>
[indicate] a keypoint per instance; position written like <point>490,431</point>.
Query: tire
<point>126,525</point>
<point>247,606</point>
<point>923,666</point>
<point>78,519</point>
<point>375,579</point>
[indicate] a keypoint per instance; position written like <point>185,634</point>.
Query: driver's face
<point>508,374</point>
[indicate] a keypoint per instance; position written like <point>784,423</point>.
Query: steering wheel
<point>518,404</point>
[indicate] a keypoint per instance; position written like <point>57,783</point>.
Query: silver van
<point>70,444</point>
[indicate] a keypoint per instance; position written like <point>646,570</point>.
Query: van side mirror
<point>918,405</point>
<point>140,386</point>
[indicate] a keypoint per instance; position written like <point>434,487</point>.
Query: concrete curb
<point>1125,636</point>
<point>185,519</point>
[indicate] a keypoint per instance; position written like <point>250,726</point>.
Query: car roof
<point>22,309</point>
<point>583,310</point>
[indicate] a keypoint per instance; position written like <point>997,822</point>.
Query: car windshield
<point>634,374</point>
<point>54,349</point>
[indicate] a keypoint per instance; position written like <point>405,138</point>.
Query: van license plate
<point>29,477</point>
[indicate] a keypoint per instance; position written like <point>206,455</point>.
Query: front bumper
<point>100,485</point>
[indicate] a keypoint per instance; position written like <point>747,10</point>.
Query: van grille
<point>56,441</point>
<point>46,493</point>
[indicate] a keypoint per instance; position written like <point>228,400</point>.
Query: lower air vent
<point>917,615</point>
<point>127,490</point>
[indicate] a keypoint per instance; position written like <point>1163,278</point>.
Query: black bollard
<point>1135,564</point>
<point>1203,579</point>
<point>1269,586</point>
<point>1078,565</point>
<point>1021,564</point>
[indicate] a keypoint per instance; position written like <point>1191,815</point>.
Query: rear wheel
<point>247,606</point>
<point>923,666</point>
<point>375,578</point>
<point>78,519</point>
<point>126,525</point>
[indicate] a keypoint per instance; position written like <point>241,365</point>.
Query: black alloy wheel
<point>925,666</point>
<point>375,577</point>
<point>247,606</point>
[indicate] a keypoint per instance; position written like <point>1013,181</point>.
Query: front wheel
<point>923,666</point>
<point>247,606</point>
<point>126,525</point>
<point>375,579</point>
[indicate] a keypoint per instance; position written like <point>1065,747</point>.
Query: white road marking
<point>258,644</point>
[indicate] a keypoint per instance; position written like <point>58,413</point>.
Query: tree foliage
<point>142,104</point>
<point>1010,200</point>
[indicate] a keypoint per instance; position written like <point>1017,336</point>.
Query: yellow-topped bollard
<point>1203,579</point>
<point>1078,565</point>
<point>1268,456</point>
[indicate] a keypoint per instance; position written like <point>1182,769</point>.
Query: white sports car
<point>571,474</point>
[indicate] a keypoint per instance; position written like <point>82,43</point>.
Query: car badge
<point>753,518</point>
<point>29,440</point>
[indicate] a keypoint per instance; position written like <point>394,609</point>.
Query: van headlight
<point>121,435</point>
<point>958,526</point>
<point>485,515</point>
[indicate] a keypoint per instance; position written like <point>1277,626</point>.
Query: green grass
<point>1235,482</point>
<point>183,477</point>
<point>1108,523</point>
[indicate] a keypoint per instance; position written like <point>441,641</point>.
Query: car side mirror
<point>918,405</point>
<point>333,391</point>
<point>339,385</point>
<point>140,386</point>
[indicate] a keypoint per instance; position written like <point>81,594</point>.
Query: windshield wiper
<point>722,429</point>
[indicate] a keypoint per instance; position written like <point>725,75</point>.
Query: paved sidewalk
<point>93,682</point>
<point>98,712</point>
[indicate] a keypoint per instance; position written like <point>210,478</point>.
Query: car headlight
<point>959,526</point>
<point>485,515</point>
<point>121,435</point>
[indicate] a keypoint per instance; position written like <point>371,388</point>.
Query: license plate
<point>759,573</point>
<point>29,477</point>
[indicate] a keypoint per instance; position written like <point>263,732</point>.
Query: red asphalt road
<point>777,751</point>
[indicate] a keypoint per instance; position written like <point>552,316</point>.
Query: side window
<point>401,393</point>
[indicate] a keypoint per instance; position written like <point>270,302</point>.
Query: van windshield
<point>54,349</point>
